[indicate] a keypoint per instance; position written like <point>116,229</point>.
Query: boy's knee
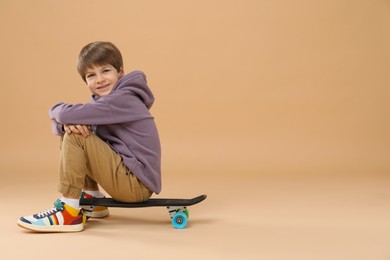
<point>73,138</point>
<point>79,139</point>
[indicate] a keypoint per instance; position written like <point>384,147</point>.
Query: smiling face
<point>102,79</point>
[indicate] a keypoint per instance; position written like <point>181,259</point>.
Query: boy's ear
<point>121,71</point>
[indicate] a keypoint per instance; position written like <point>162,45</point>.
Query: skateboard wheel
<point>179,220</point>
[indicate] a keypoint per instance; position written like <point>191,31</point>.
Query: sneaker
<point>93,211</point>
<point>61,218</point>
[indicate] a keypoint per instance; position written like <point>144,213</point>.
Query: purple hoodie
<point>122,119</point>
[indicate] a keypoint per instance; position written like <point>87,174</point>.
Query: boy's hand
<point>77,129</point>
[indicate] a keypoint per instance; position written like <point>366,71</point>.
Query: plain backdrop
<point>251,97</point>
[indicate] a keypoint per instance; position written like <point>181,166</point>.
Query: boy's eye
<point>106,70</point>
<point>88,76</point>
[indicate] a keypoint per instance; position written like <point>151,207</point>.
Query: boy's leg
<point>91,156</point>
<point>81,157</point>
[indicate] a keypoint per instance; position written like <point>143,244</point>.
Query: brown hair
<point>99,53</point>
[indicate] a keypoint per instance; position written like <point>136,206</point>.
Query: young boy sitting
<point>111,141</point>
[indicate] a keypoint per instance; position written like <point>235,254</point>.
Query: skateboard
<point>177,207</point>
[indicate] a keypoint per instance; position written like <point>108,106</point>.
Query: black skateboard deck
<point>153,202</point>
<point>177,207</point>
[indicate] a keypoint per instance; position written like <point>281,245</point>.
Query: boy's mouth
<point>103,86</point>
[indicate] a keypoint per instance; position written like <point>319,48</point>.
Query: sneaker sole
<point>96,214</point>
<point>100,214</point>
<point>53,228</point>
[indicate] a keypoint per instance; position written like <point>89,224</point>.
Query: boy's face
<point>101,79</point>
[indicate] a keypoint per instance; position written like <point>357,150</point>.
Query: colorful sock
<point>95,193</point>
<point>74,203</point>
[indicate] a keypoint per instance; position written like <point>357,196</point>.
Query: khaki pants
<point>87,162</point>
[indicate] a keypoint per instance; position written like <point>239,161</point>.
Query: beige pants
<point>87,162</point>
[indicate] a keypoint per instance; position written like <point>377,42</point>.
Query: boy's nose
<point>100,78</point>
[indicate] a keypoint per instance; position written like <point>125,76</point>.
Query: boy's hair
<point>99,53</point>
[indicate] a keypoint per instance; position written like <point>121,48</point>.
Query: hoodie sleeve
<point>57,128</point>
<point>129,101</point>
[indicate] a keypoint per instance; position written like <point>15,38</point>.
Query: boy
<point>112,141</point>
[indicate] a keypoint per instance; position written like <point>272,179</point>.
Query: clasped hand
<point>77,129</point>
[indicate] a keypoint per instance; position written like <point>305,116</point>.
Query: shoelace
<point>57,207</point>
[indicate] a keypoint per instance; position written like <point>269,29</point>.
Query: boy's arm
<point>79,114</point>
<point>61,129</point>
<point>112,109</point>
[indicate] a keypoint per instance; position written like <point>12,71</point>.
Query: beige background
<point>278,110</point>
